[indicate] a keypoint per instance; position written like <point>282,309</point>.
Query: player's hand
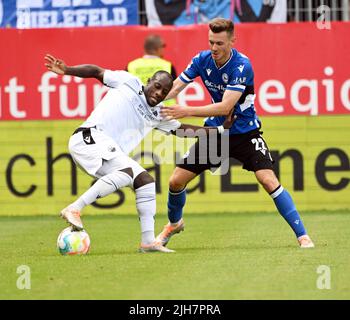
<point>230,119</point>
<point>55,65</point>
<point>174,112</point>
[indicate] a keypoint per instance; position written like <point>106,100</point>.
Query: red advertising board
<point>299,69</point>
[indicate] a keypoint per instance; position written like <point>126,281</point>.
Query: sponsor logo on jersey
<point>241,67</point>
<point>147,114</point>
<point>225,77</point>
<point>240,80</point>
<point>208,72</point>
<point>214,87</point>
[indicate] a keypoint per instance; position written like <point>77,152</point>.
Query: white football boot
<point>154,247</point>
<point>305,242</point>
<point>169,230</point>
<point>73,217</point>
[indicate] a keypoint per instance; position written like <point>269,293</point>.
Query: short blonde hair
<point>218,25</point>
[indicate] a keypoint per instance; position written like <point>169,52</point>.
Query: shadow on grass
<point>237,247</point>
<point>197,249</point>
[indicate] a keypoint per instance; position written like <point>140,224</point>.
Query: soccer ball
<point>73,242</point>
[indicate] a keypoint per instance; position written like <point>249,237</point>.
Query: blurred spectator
<point>260,11</point>
<point>152,61</point>
<point>185,12</point>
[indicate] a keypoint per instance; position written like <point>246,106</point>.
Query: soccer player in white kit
<point>126,114</point>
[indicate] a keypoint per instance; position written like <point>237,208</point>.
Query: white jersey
<point>124,114</point>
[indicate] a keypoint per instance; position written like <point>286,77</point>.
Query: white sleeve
<point>168,125</point>
<point>113,79</point>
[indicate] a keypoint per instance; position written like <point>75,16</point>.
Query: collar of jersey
<point>142,97</point>
<point>150,56</point>
<point>229,59</point>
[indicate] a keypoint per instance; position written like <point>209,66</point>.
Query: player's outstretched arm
<point>222,108</point>
<point>177,87</point>
<point>83,71</point>
<point>191,131</point>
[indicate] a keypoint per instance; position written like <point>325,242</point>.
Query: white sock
<point>103,187</point>
<point>147,237</point>
<point>146,207</point>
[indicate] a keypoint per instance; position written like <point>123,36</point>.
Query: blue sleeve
<point>241,77</point>
<point>192,70</point>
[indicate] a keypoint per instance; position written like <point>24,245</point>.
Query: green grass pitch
<point>218,256</point>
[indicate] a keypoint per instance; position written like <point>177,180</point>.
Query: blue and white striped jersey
<point>236,74</point>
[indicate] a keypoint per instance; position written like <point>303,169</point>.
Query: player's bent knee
<point>268,180</point>
<point>118,179</point>
<point>176,183</point>
<point>128,171</point>
<point>142,179</point>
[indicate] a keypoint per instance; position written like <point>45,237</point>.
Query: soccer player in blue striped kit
<point>228,76</point>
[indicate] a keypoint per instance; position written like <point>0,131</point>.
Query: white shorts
<point>100,154</point>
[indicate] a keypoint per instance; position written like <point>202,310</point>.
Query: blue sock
<point>176,201</point>
<point>286,208</point>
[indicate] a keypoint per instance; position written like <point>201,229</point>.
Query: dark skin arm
<point>191,131</point>
<point>83,71</point>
